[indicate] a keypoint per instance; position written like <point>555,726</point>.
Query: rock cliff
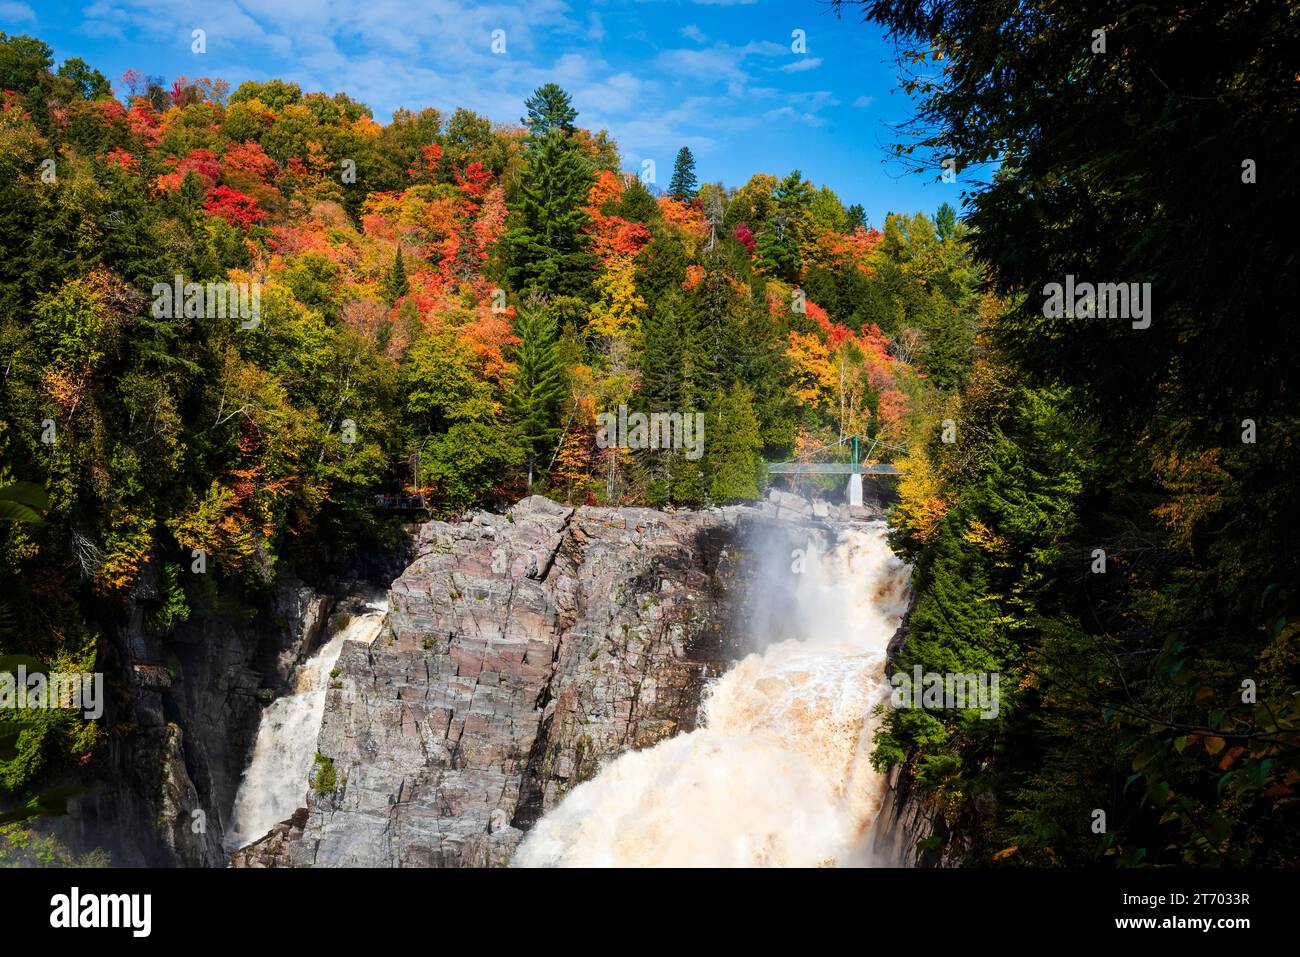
<point>183,717</point>
<point>521,650</point>
<point>520,653</point>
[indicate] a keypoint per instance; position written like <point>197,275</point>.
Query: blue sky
<point>720,76</point>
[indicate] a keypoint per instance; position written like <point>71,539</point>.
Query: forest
<point>447,304</point>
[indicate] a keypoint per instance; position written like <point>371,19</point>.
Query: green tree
<point>396,284</point>
<point>1130,697</point>
<point>546,245</point>
<point>684,186</point>
<point>538,387</point>
<point>945,222</point>
<point>549,108</point>
<point>732,465</point>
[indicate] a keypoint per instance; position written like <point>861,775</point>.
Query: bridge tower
<point>855,478</point>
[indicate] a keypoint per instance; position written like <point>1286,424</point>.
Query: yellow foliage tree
<point>617,314</point>
<point>814,373</point>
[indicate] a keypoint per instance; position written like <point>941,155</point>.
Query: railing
<point>802,465</point>
<point>413,501</point>
<point>832,468</point>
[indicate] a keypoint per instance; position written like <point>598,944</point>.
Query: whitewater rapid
<point>779,772</point>
<point>274,784</point>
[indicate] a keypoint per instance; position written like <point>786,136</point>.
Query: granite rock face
<point>521,650</point>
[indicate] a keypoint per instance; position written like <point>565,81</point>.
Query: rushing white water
<point>778,775</point>
<point>275,782</point>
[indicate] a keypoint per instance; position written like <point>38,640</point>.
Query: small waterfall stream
<point>778,775</point>
<point>275,782</point>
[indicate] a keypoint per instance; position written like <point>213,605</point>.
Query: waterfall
<point>778,774</point>
<point>275,782</point>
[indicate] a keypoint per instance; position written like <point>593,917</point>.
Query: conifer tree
<point>945,222</point>
<point>549,108</point>
<point>538,389</point>
<point>546,245</point>
<point>665,358</point>
<point>666,386</point>
<point>395,283</point>
<point>684,186</point>
<point>731,443</point>
<point>636,203</point>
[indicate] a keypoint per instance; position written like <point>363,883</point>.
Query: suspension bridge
<point>855,468</point>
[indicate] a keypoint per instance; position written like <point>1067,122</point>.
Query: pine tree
<point>549,108</point>
<point>395,283</point>
<point>684,186</point>
<point>717,338</point>
<point>538,389</point>
<point>857,216</point>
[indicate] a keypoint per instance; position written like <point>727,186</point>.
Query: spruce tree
<point>546,242</point>
<point>636,203</point>
<point>546,246</point>
<point>395,283</point>
<point>538,389</point>
<point>665,358</point>
<point>731,442</point>
<point>684,186</point>
<point>667,374</point>
<point>945,222</point>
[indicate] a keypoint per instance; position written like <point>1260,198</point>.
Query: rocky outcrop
<point>521,650</point>
<point>182,715</point>
<point>274,849</point>
<point>903,826</point>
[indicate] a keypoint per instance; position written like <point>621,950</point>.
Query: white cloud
<point>790,113</point>
<point>16,11</point>
<point>391,53</point>
<point>712,63</point>
<point>863,102</point>
<point>802,64</point>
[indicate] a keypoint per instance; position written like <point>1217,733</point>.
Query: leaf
<point>23,502</point>
<point>1006,852</point>
<point>1214,744</point>
<point>1232,755</point>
